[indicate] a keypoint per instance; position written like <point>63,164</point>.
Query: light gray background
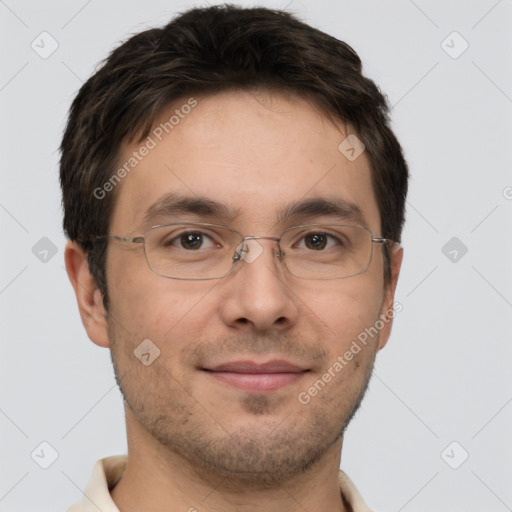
<point>445,374</point>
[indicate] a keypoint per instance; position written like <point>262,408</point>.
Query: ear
<point>88,296</point>
<point>388,309</point>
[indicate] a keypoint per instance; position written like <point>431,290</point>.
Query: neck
<point>159,480</point>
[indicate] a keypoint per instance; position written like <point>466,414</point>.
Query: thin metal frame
<point>236,256</point>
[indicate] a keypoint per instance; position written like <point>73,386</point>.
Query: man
<point>234,199</point>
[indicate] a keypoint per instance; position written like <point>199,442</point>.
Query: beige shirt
<point>107,472</point>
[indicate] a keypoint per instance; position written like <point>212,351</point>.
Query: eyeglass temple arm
<point>394,245</point>
<point>133,240</point>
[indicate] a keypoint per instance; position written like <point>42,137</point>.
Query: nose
<point>257,295</point>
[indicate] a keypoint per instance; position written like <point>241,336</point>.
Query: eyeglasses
<point>200,251</point>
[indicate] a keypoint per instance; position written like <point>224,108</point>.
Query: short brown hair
<point>208,50</point>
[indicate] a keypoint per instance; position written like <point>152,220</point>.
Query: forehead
<point>258,155</point>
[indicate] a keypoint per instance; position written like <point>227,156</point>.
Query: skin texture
<point>193,440</point>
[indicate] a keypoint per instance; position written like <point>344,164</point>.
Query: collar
<point>108,471</point>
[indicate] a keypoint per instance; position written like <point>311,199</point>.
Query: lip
<point>274,366</point>
<point>257,377</point>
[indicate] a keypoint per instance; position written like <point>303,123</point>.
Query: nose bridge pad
<point>250,250</point>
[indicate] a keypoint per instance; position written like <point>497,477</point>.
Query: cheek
<point>345,302</point>
<point>348,312</point>
<point>166,311</point>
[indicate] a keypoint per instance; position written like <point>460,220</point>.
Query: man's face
<point>256,156</point>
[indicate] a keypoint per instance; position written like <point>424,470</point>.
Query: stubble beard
<point>262,455</point>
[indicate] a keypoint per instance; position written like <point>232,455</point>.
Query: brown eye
<point>191,241</point>
<point>316,241</point>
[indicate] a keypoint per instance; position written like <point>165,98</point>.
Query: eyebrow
<point>320,206</point>
<point>173,204</point>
